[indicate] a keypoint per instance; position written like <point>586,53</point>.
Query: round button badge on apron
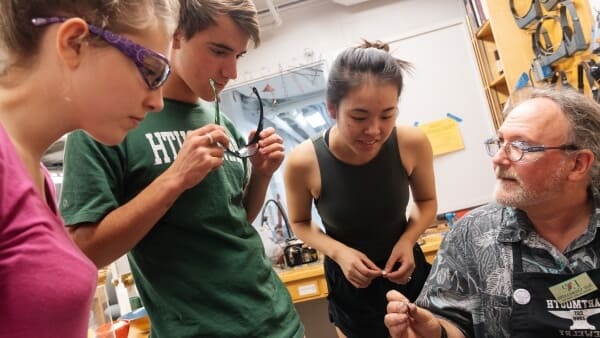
<point>522,296</point>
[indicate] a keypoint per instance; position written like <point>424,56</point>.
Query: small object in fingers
<point>211,141</point>
<point>383,273</point>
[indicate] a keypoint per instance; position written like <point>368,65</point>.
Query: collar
<point>516,226</point>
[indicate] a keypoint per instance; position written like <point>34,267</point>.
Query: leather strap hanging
<point>549,4</point>
<point>586,74</point>
<point>533,13</point>
<point>560,80</point>
<point>573,39</point>
<point>572,35</point>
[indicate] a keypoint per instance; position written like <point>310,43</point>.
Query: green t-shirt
<point>201,271</point>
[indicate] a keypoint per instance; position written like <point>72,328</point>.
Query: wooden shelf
<point>485,32</point>
<point>499,38</point>
<point>498,82</point>
<point>430,246</point>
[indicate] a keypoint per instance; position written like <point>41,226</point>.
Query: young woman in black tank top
<point>359,174</point>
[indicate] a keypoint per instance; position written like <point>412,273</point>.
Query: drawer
<point>307,289</point>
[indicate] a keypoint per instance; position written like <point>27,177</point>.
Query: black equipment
<point>295,252</point>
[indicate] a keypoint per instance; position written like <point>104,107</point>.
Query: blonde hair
<point>19,39</point>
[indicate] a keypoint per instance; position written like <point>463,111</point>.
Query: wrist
<point>169,184</point>
<point>410,237</point>
<point>334,251</point>
<point>257,177</point>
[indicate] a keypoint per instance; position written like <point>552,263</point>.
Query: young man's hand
<point>270,153</point>
<point>199,155</point>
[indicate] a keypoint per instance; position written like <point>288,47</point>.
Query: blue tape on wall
<point>454,117</point>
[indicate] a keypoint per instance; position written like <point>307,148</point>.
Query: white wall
<point>428,33</point>
<point>326,28</point>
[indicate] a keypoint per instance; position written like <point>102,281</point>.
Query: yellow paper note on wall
<point>444,136</point>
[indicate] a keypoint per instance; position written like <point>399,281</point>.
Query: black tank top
<point>363,206</point>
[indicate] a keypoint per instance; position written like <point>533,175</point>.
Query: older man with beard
<point>528,265</point>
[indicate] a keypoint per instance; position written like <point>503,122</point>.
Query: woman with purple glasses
<point>65,65</point>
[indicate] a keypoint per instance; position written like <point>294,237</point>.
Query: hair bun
<point>377,44</point>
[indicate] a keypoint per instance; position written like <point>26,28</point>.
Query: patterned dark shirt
<point>471,279</point>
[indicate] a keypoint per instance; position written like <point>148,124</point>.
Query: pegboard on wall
<point>506,36</point>
<point>558,35</point>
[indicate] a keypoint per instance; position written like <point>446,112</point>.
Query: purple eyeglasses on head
<point>153,67</point>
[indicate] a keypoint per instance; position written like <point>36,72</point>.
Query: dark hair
<point>197,15</point>
<point>19,39</point>
<point>355,65</point>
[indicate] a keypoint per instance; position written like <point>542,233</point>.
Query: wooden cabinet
<point>494,82</point>
<point>430,245</point>
<point>305,282</point>
<point>499,40</point>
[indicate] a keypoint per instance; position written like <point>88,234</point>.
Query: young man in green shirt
<point>178,203</point>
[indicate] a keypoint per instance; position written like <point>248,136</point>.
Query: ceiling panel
<point>260,5</point>
<point>263,8</point>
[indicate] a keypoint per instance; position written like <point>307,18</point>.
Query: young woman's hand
<point>358,269</point>
<point>402,254</point>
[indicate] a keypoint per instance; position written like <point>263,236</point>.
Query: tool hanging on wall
<point>533,13</point>
<point>540,71</point>
<point>560,81</point>
<point>589,71</point>
<point>550,4</point>
<point>573,39</point>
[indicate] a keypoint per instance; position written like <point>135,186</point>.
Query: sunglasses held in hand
<point>251,148</point>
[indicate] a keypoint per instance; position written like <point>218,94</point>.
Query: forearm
<point>314,237</point>
<point>254,195</point>
<point>421,216</point>
<point>121,229</point>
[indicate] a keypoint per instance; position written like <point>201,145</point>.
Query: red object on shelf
<point>461,213</point>
<point>119,329</point>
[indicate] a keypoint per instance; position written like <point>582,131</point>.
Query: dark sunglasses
<point>251,148</point>
<point>153,67</point>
